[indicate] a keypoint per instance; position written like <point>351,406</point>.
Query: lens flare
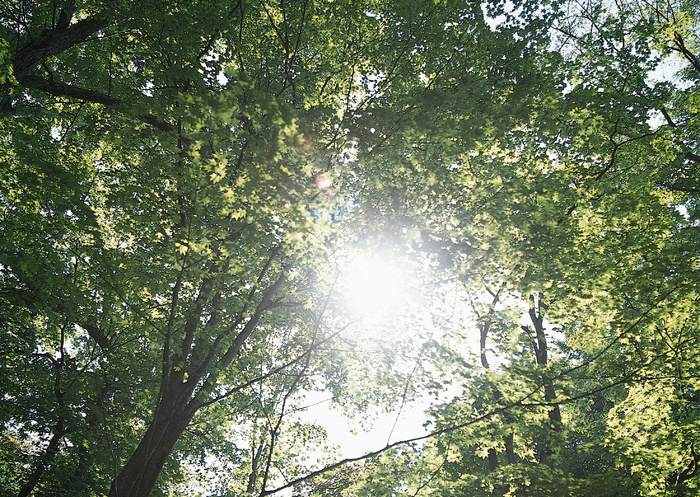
<point>323,182</point>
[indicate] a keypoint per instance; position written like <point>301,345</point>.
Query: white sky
<point>355,440</point>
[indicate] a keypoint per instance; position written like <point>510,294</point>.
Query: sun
<point>374,283</point>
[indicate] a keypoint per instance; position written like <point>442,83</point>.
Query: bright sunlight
<point>375,283</point>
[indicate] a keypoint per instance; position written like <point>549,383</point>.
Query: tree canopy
<point>211,213</point>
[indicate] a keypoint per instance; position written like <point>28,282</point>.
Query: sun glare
<point>374,284</point>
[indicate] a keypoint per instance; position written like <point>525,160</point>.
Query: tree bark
<point>52,42</point>
<point>550,394</point>
<point>172,416</point>
<point>62,89</point>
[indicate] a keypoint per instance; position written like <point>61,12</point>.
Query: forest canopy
<point>484,214</point>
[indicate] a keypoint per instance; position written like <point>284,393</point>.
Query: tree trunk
<point>494,463</point>
<point>139,475</point>
<point>550,394</point>
<point>45,460</point>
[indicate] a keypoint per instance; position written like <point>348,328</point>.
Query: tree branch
<point>52,42</point>
<point>63,90</point>
<point>59,89</point>
<point>689,56</point>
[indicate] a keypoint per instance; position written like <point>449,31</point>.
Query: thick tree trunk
<point>177,405</point>
<point>139,475</point>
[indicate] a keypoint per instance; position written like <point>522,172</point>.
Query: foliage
<point>185,188</point>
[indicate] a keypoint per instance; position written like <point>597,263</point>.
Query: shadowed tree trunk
<point>539,345</point>
<point>140,474</point>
